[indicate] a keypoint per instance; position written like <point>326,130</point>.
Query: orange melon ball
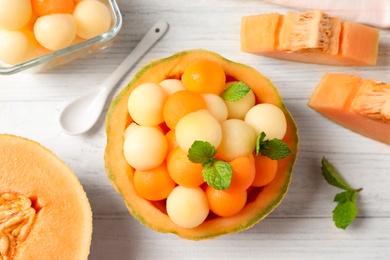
<point>45,7</point>
<point>204,76</point>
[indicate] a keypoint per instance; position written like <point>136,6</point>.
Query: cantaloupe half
<point>261,202</point>
<point>360,105</point>
<point>312,37</point>
<point>44,211</point>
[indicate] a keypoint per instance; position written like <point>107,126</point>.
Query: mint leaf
<point>274,149</point>
<point>201,151</point>
<point>217,174</point>
<point>235,91</point>
<point>346,209</point>
<point>332,176</point>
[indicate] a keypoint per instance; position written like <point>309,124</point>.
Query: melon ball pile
<point>169,116</point>
<point>30,28</point>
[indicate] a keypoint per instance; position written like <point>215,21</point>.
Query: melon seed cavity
<point>17,216</point>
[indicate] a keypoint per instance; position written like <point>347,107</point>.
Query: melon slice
<point>312,37</point>
<point>44,211</point>
<point>360,105</point>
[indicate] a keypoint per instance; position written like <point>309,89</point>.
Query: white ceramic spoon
<point>81,114</point>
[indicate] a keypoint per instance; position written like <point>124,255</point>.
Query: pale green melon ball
<point>216,106</point>
<point>16,46</point>
<point>171,86</point>
<point>14,14</point>
<point>239,108</point>
<point>55,31</point>
<point>187,207</point>
<point>92,18</point>
<point>198,126</point>
<point>269,119</point>
<point>145,148</point>
<point>146,103</point>
<point>238,139</point>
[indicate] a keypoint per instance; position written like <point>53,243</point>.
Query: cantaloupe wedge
<point>360,105</point>
<point>312,37</point>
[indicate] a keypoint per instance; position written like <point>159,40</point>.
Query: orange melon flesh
<point>311,37</point>
<point>355,103</point>
<point>62,228</point>
<point>153,215</point>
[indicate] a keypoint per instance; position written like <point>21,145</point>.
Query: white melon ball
<point>238,139</point>
<point>14,14</point>
<point>145,148</point>
<point>92,18</point>
<point>216,106</point>
<point>198,126</point>
<point>146,103</point>
<point>187,207</point>
<point>16,46</point>
<point>130,129</point>
<point>55,31</point>
<point>267,118</point>
<point>172,86</point>
<point>239,108</point>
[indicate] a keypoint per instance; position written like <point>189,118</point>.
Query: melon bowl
<point>261,201</point>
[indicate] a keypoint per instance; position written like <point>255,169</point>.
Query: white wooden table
<point>300,228</point>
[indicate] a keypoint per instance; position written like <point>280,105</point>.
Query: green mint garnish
<point>235,91</point>
<point>201,151</point>
<point>346,209</point>
<point>274,149</point>
<point>216,173</point>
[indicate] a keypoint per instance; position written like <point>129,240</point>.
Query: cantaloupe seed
<point>171,86</point>
<point>198,126</point>
<point>216,106</point>
<point>14,14</point>
<point>146,103</point>
<point>238,139</point>
<point>55,31</point>
<point>92,18</point>
<point>145,148</point>
<point>187,207</point>
<point>267,118</point>
<point>239,108</point>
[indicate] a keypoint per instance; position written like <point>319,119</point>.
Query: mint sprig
<point>216,173</point>
<point>235,91</point>
<point>275,148</point>
<point>346,209</point>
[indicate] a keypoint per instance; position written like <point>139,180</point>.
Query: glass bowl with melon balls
<point>200,146</point>
<point>41,34</point>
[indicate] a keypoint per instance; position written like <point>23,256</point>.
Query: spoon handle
<point>150,38</point>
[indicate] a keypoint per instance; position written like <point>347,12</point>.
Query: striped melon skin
<point>261,202</point>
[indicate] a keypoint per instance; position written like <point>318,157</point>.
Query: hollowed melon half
<point>261,201</point>
<point>44,211</point>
